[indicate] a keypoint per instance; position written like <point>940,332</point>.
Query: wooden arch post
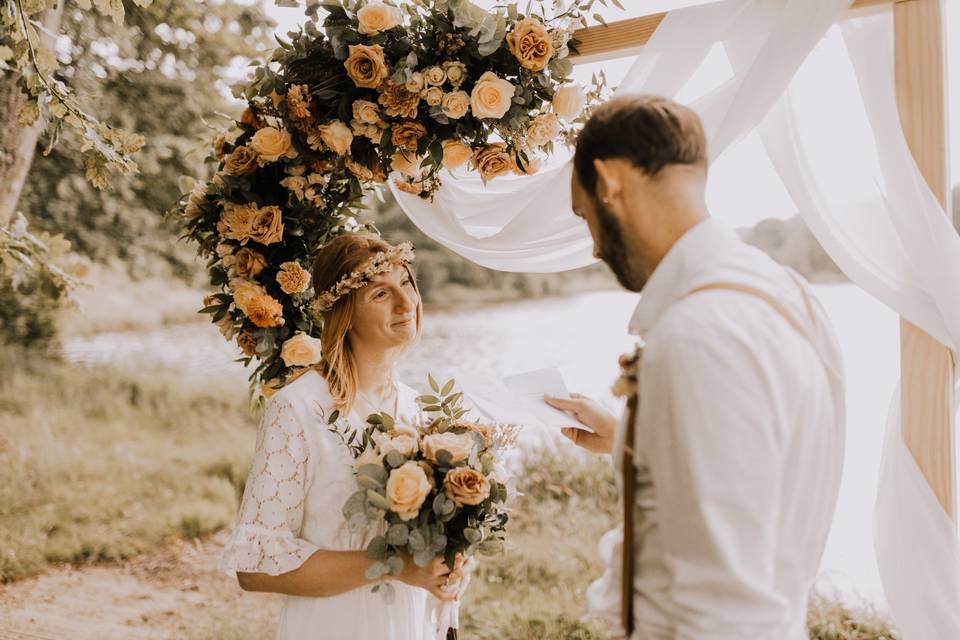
<point>928,368</point>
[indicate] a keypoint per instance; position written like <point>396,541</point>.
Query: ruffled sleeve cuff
<point>256,550</point>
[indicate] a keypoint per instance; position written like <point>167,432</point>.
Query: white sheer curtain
<point>876,219</point>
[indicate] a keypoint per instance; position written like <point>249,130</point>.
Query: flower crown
<point>381,263</point>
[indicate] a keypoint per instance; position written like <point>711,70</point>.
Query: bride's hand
<point>589,413</point>
<point>432,577</point>
<point>459,578</point>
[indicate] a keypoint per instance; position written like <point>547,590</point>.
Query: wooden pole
<point>626,37</point>
<point>927,368</point>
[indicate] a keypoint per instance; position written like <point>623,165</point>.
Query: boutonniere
<point>626,385</point>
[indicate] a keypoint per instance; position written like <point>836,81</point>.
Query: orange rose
<point>466,486</point>
<point>248,263</point>
<point>531,44</point>
<point>407,135</point>
<point>492,161</point>
<point>247,343</point>
<point>455,154</point>
<point>271,144</point>
<point>267,226</point>
<point>366,65</point>
<point>241,162</point>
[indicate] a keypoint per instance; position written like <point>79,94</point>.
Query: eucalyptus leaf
<point>398,534</point>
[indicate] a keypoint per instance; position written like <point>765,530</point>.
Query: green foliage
<point>37,273</point>
<point>162,73</point>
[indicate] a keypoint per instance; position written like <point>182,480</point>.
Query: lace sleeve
<point>266,534</point>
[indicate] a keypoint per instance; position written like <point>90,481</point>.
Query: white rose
<point>400,441</point>
<point>300,351</point>
<point>377,17</point>
<point>568,101</point>
<point>460,445</point>
<point>491,96</point>
<point>456,72</point>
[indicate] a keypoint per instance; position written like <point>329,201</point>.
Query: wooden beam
<point>928,369</point>
<point>626,37</point>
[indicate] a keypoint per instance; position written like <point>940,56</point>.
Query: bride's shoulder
<point>307,392</point>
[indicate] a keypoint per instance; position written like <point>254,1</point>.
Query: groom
<point>738,431</point>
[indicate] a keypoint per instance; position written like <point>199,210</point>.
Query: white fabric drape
<point>876,218</point>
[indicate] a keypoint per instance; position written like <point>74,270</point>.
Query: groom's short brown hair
<point>649,131</point>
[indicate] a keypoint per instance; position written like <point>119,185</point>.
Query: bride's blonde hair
<point>338,258</point>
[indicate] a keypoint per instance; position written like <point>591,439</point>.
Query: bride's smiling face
<point>385,311</point>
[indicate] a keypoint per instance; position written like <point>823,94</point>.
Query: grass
<point>98,465</point>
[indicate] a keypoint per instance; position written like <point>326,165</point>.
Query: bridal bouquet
<point>366,90</point>
<point>433,488</point>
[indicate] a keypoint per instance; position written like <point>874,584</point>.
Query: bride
<point>290,536</point>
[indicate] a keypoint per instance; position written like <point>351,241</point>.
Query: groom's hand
<point>591,414</point>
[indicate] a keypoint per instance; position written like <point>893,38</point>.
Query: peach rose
<point>337,137</point>
<point>491,96</point>
<point>530,44</point>
<point>407,488</point>
<point>407,164</point>
<point>456,104</point>
<point>300,351</point>
<point>568,101</point>
<point>455,154</point>
<point>247,343</point>
<point>466,486</point>
<point>377,17</point>
<point>456,72</point>
<point>267,226</point>
<point>366,112</point>
<point>271,144</point>
<point>460,445</point>
<point>433,96</point>
<point>544,128</point>
<point>492,160</point>
<point>242,161</point>
<point>407,134</point>
<point>293,278</point>
<point>248,263</point>
<point>366,65</point>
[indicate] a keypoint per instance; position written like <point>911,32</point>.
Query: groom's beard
<point>614,251</point>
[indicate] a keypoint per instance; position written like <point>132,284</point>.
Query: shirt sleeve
<point>266,536</point>
<point>708,425</point>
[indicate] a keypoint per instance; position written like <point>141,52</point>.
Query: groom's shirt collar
<point>696,251</point>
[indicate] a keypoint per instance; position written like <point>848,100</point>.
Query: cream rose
<point>435,76</point>
<point>455,154</point>
<point>416,83</point>
<point>267,226</point>
<point>336,136</point>
<point>460,445</point>
<point>293,278</point>
<point>271,144</point>
<point>366,65</point>
<point>456,72</point>
<point>544,128</point>
<point>300,351</point>
<point>456,104</point>
<point>491,96</point>
<point>531,44</point>
<point>366,112</point>
<point>433,96</point>
<point>568,101</point>
<point>467,486</point>
<point>407,488</point>
<point>492,161</point>
<point>377,17</point>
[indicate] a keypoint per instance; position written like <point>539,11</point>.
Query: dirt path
<point>175,594</point>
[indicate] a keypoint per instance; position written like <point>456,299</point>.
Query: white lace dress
<point>302,475</point>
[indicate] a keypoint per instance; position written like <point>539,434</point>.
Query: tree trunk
<point>18,143</point>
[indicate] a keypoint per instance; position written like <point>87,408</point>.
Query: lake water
<point>583,335</point>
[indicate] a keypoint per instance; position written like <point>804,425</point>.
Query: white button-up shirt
<point>739,448</point>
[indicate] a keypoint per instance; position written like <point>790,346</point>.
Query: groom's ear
<point>609,180</point>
